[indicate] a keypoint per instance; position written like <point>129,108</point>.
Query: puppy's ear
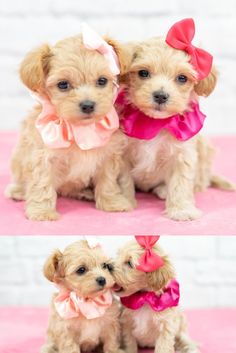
<point>51,266</point>
<point>35,67</point>
<point>124,51</point>
<point>160,278</point>
<point>207,85</point>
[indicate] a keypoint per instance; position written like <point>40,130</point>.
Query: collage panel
<point>117,176</point>
<point>73,294</point>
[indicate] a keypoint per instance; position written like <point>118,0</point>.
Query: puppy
<point>164,329</point>
<point>161,83</point>
<point>77,323</point>
<point>70,144</point>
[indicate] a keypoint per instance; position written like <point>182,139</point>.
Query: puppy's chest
<point>146,326</point>
<point>74,165</point>
<point>152,156</point>
<point>87,334</point>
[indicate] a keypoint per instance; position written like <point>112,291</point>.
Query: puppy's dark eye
<point>81,270</point>
<point>63,85</point>
<point>129,263</point>
<point>144,73</point>
<point>109,267</point>
<point>181,79</point>
<point>102,81</point>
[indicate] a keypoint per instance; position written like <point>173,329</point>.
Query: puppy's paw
<point>118,203</point>
<point>160,191</point>
<point>187,213</point>
<point>41,215</point>
<point>15,192</point>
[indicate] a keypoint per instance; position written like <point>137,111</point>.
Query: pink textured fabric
<point>57,132</point>
<point>149,261</point>
<point>81,217</point>
<point>93,41</point>
<point>137,124</point>
<point>70,304</point>
<point>168,299</point>
<point>180,37</point>
<point>214,329</point>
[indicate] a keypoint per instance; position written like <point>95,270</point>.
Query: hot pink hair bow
<point>70,305</point>
<point>93,41</point>
<point>149,261</point>
<point>180,37</point>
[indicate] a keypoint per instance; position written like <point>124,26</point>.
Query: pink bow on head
<point>93,41</point>
<point>180,37</point>
<point>149,261</point>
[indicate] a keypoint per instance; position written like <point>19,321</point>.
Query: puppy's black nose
<point>160,97</point>
<point>87,106</point>
<point>101,281</point>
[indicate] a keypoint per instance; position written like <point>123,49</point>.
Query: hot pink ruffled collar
<point>57,132</point>
<point>136,124</point>
<point>168,299</point>
<point>71,304</point>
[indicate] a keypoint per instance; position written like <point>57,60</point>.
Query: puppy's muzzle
<point>87,106</point>
<point>160,97</point>
<point>101,281</point>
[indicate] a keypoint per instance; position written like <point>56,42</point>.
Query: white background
<point>206,268</point>
<point>25,24</point>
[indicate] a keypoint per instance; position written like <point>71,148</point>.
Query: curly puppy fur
<point>80,334</point>
<point>166,330</point>
<point>169,168</point>
<point>40,173</point>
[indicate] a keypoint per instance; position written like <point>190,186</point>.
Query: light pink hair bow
<point>93,41</point>
<point>70,305</point>
<point>149,261</point>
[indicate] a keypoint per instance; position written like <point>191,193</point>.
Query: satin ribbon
<point>149,261</point>
<point>93,41</point>
<point>180,37</point>
<point>183,127</point>
<point>57,132</point>
<point>70,305</point>
<point>168,299</point>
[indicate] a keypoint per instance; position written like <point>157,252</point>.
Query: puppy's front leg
<point>40,194</point>
<point>108,194</point>
<point>180,203</point>
<point>128,340</point>
<point>110,339</point>
<point>166,341</point>
<point>68,345</point>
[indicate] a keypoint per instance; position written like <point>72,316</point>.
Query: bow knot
<point>70,305</point>
<point>180,37</point>
<point>149,261</point>
<point>93,41</point>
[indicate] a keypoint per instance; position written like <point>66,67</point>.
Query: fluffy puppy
<point>165,330</point>
<point>81,87</point>
<point>86,272</point>
<point>160,83</point>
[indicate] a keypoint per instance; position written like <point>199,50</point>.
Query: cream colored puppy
<point>83,314</point>
<point>80,87</point>
<point>164,329</point>
<point>160,83</point>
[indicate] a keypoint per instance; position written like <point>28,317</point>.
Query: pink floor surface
<point>22,330</point>
<point>81,217</point>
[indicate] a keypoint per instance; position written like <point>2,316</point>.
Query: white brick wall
<point>206,268</point>
<point>25,24</point>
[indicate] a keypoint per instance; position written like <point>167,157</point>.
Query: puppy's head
<point>77,80</point>
<point>130,280</point>
<point>161,81</point>
<point>80,268</point>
